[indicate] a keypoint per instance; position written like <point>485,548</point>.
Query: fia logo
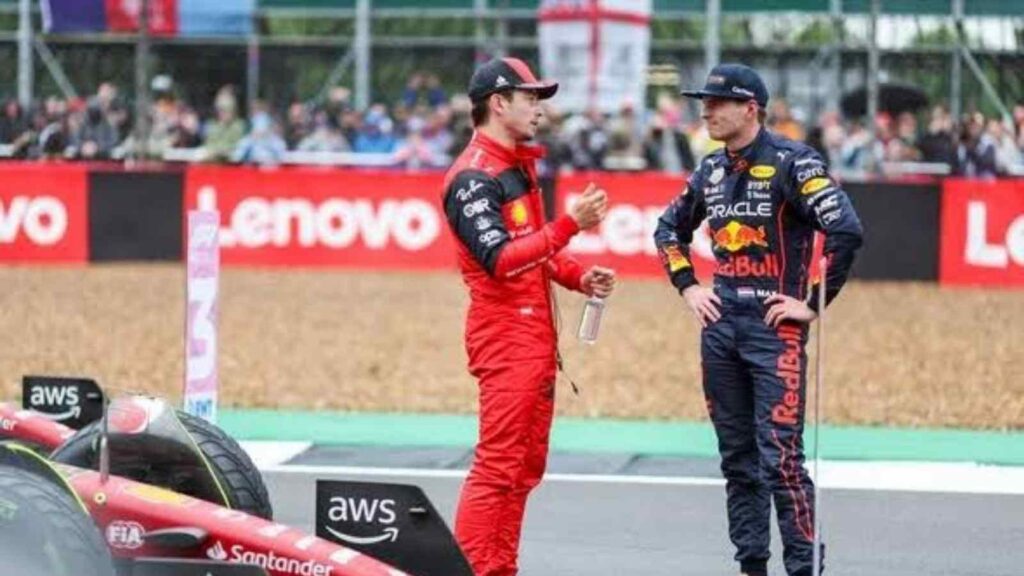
<point>125,535</point>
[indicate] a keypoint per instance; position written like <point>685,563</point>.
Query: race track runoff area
<point>890,506</point>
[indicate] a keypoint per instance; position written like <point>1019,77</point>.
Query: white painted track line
<point>928,477</point>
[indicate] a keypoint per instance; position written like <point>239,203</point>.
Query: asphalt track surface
<point>621,524</point>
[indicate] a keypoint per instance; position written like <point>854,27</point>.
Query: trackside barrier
<point>983,233</point>
<point>43,215</point>
<point>953,231</point>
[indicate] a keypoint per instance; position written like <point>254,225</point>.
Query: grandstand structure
<point>959,52</point>
<point>796,41</point>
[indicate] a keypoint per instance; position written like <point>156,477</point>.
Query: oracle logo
<point>42,220</point>
<point>411,224</point>
<point>1006,247</point>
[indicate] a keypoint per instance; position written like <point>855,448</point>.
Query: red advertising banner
<point>982,233</point>
<point>325,217</point>
<point>43,213</point>
<point>624,241</point>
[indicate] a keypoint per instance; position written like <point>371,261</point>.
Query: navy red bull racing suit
<point>508,256</point>
<point>762,205</point>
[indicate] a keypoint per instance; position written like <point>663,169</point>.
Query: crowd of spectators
<point>973,146</point>
<point>425,126</point>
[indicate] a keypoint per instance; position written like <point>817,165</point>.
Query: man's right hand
<point>704,303</point>
<point>590,208</point>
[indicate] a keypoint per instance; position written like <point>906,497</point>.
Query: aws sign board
<point>395,523</point>
<point>73,402</point>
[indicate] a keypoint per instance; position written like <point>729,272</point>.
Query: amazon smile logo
<point>390,533</point>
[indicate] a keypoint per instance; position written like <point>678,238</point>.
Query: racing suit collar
<point>510,156</point>
<point>741,159</point>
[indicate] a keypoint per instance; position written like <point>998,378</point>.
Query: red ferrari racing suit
<point>507,255</point>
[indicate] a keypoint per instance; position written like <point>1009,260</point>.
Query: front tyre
<point>45,532</point>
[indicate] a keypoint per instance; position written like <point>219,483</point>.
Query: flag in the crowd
<point>598,50</point>
<point>166,17</point>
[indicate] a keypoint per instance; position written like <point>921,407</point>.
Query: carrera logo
<point>125,535</point>
<point>762,171</point>
<point>42,220</point>
<point>815,185</point>
<point>256,222</point>
<point>370,511</point>
<point>268,561</point>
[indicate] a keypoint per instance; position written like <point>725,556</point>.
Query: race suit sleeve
<point>566,271</point>
<point>823,203</point>
<point>472,205</point>
<point>674,232</point>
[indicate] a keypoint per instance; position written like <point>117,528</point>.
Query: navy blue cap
<point>734,81</point>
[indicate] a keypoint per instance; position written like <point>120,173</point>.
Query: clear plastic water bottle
<point>590,321</point>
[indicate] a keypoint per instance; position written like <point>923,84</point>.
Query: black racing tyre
<point>235,470</point>
<point>241,481</point>
<point>45,532</point>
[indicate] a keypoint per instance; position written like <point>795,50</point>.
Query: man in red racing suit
<point>508,255</point>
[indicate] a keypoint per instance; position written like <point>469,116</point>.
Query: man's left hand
<point>598,281</point>
<point>784,307</point>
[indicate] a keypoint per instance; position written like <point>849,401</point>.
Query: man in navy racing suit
<point>763,197</point>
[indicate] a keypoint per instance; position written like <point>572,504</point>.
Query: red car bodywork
<point>125,511</point>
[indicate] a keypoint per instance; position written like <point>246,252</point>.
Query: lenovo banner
<point>43,214</point>
<point>982,233</point>
<point>625,240</point>
<point>323,217</point>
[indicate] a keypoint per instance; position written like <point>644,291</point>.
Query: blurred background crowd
<point>424,126</point>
